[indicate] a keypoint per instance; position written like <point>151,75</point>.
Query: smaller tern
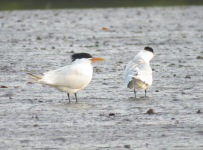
<point>71,78</point>
<point>138,73</point>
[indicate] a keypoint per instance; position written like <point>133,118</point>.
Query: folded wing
<point>66,76</point>
<point>140,71</point>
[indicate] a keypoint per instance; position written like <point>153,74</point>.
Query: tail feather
<point>35,76</point>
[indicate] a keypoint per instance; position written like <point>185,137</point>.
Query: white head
<point>146,54</point>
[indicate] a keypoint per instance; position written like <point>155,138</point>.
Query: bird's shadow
<point>74,105</point>
<point>139,98</point>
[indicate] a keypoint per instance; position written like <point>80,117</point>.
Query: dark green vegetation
<point>58,4</point>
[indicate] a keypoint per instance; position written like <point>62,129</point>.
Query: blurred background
<point>61,4</point>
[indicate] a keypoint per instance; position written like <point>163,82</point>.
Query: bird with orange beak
<point>71,78</point>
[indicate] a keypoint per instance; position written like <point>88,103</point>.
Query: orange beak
<point>97,59</point>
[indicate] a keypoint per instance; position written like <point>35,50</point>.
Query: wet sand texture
<point>34,116</point>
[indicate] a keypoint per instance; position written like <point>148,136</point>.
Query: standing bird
<point>71,78</point>
<point>138,73</point>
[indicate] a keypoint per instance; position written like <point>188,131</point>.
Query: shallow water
<point>34,116</point>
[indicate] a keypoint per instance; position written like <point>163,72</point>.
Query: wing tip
<point>34,76</point>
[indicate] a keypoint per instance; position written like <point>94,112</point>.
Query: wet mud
<point>107,116</point>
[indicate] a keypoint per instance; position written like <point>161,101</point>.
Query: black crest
<point>80,56</point>
<point>149,49</point>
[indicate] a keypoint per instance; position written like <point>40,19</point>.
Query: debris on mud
<point>104,28</point>
<point>150,111</point>
<point>199,57</point>
<point>36,117</point>
<point>172,64</point>
<point>38,38</point>
<point>163,135</point>
<point>126,146</point>
<point>4,86</point>
<point>187,76</point>
<point>98,70</point>
<point>35,125</point>
<point>111,114</point>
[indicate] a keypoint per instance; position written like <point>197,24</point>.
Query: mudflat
<point>107,116</point>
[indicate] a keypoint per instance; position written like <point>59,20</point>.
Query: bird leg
<point>76,97</point>
<point>145,92</point>
<point>68,97</point>
<point>135,93</point>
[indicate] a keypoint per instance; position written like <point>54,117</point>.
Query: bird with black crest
<point>138,73</point>
<point>71,78</point>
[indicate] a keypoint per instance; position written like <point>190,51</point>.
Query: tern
<point>71,78</point>
<point>138,73</point>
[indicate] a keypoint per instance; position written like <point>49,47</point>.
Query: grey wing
<point>48,77</point>
<point>66,76</point>
<point>132,69</point>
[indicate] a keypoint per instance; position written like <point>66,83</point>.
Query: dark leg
<point>135,93</point>
<point>68,97</point>
<point>76,98</point>
<point>145,92</point>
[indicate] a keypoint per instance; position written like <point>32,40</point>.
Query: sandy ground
<point>34,116</point>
